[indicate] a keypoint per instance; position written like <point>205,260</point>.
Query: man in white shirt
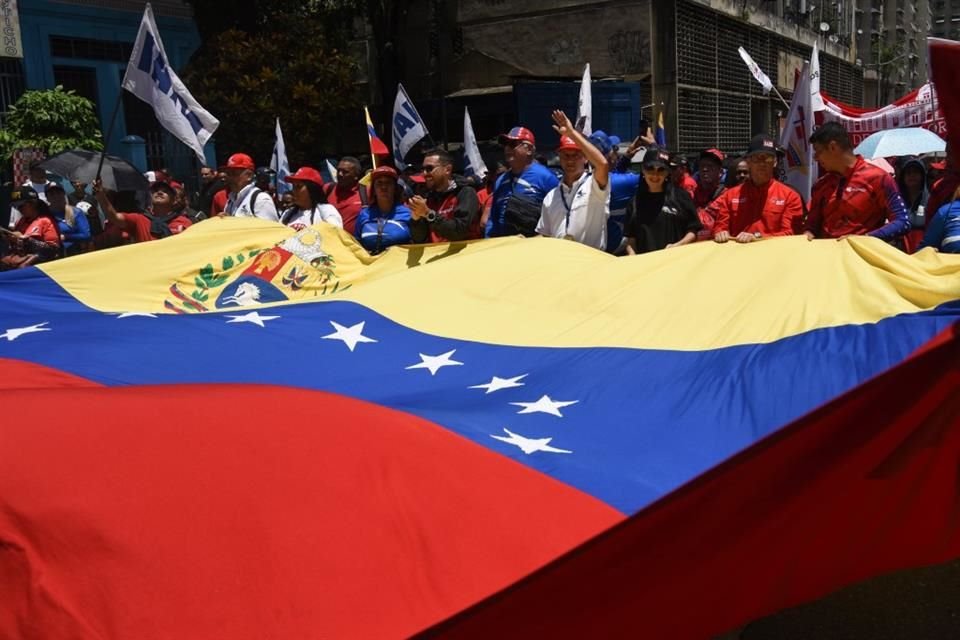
<point>245,200</point>
<point>578,208</point>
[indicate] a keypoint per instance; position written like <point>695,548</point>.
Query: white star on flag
<point>13,334</point>
<point>496,384</point>
<point>135,314</point>
<point>350,336</point>
<point>529,445</point>
<point>435,363</point>
<point>544,405</point>
<point>253,317</point>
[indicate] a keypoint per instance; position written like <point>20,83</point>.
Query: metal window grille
<point>11,83</point>
<point>89,49</point>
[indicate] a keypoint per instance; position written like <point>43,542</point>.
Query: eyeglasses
<point>760,159</point>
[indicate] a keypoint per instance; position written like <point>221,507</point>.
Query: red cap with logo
<point>567,144</point>
<point>517,134</point>
<point>713,153</point>
<point>239,161</point>
<point>306,174</point>
<point>383,171</point>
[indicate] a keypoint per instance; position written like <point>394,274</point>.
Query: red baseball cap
<point>567,144</point>
<point>517,134</point>
<point>383,171</point>
<point>940,166</point>
<point>306,174</point>
<point>239,161</point>
<point>713,153</point>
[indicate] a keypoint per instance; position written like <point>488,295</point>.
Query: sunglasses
<point>428,168</point>
<point>655,169</point>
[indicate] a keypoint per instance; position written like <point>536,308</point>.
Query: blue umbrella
<point>909,141</point>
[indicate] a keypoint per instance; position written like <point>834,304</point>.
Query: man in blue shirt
<point>943,230</point>
<point>519,192</point>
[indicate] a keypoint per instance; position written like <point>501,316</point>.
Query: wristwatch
<point>757,235</point>
<point>431,216</point>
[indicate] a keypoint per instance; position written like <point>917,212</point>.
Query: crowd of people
<point>593,197</point>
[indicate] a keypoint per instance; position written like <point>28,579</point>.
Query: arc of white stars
<point>496,384</point>
<point>529,445</point>
<point>13,334</point>
<point>435,363</point>
<point>349,336</point>
<point>252,317</point>
<point>544,405</point>
<point>135,314</point>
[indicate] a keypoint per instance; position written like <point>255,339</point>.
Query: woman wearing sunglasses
<point>661,215</point>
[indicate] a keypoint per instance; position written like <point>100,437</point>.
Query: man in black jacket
<point>450,211</point>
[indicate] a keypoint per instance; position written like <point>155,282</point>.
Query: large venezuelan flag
<point>246,431</point>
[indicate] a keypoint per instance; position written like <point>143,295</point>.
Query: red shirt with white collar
<point>773,209</point>
<point>863,201</point>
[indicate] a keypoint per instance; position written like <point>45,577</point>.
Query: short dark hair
<point>445,158</point>
<point>832,132</point>
<point>353,161</point>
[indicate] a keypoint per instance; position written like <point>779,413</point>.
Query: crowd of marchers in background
<point>593,197</point>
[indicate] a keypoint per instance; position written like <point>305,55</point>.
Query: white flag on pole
<point>761,77</point>
<point>584,122</point>
<point>278,162</point>
<point>795,138</point>
<point>815,97</point>
<point>150,78</point>
<point>408,127</point>
<point>475,165</point>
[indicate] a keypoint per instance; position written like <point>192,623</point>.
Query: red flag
<point>865,485</point>
<point>944,62</point>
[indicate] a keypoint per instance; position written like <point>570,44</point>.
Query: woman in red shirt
<point>35,237</point>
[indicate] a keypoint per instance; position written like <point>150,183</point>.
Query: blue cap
<point>615,141</point>
<point>601,141</point>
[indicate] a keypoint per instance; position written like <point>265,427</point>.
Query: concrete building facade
<point>891,47</point>
<point>681,53</point>
<point>945,19</point>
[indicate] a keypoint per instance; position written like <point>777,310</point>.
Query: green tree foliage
<point>291,66</point>
<point>53,120</point>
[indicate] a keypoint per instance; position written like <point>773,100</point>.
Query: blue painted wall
<point>39,19</point>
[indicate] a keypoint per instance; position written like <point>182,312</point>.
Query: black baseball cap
<point>656,158</point>
<point>762,143</point>
<point>27,195</point>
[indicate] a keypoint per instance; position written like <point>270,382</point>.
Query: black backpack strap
<point>362,190</point>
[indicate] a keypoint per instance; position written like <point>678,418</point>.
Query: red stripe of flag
<point>864,486</point>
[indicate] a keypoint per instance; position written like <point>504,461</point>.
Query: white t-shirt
<point>300,218</point>
<point>239,204</point>
<point>577,213</point>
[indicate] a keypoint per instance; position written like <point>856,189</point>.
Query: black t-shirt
<point>659,219</point>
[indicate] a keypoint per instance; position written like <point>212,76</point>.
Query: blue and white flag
<point>408,127</point>
<point>332,170</point>
<point>475,165</point>
<point>278,162</point>
<point>150,78</point>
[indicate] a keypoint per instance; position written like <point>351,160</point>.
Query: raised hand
<point>562,124</point>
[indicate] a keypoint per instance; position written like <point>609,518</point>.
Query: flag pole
<point>106,138</point>
<point>785,103</point>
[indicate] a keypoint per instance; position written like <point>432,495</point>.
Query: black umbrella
<point>81,166</point>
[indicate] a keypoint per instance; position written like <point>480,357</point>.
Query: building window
<point>88,49</point>
<point>11,83</point>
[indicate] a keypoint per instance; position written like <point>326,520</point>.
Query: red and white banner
<point>918,108</point>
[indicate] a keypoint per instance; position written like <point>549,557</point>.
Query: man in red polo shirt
<point>762,206</point>
<point>854,197</point>
<point>348,195</point>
